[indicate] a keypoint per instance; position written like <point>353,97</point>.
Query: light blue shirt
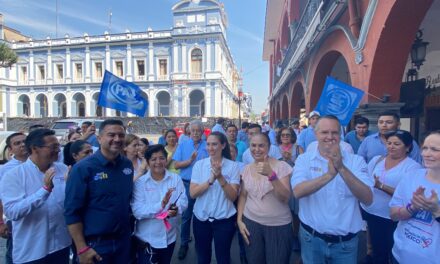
<point>146,203</point>
<point>333,209</point>
<point>213,203</point>
<point>182,138</point>
<point>218,128</point>
<point>354,141</point>
<point>184,151</point>
<point>274,152</point>
<point>373,146</point>
<point>242,136</point>
<point>273,137</point>
<point>37,215</point>
<point>306,137</point>
<point>241,148</point>
<point>12,163</point>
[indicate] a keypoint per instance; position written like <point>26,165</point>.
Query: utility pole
<point>110,21</point>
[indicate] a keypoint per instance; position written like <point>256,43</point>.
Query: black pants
<point>146,254</point>
<point>60,256</point>
<point>381,236</point>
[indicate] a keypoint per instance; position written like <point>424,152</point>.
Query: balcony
<point>196,76</point>
<point>58,80</point>
<point>162,77</point>
<point>78,79</point>
<point>97,79</point>
<point>140,78</point>
<point>40,81</point>
<point>23,82</point>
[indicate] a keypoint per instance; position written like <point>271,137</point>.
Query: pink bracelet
<point>47,188</point>
<point>273,177</point>
<point>83,250</point>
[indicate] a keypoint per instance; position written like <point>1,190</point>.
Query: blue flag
<point>339,99</point>
<point>121,95</point>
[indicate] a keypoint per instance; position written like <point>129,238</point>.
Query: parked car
<point>64,126</point>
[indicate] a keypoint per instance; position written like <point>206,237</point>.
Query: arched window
<point>196,61</point>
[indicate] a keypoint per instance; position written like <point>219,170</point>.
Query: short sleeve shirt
<point>184,151</point>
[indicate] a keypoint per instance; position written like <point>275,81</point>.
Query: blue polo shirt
<point>353,140</point>
<point>306,137</point>
<point>93,140</point>
<point>184,151</point>
<point>98,194</point>
<point>373,146</point>
<point>241,148</point>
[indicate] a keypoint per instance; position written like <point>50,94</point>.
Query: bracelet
<point>273,177</point>
<point>410,210</point>
<point>47,188</point>
<point>83,250</point>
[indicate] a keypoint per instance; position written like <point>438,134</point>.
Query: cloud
<point>44,27</point>
<point>245,33</point>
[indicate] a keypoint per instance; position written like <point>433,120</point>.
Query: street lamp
<point>418,54</point>
<point>240,98</point>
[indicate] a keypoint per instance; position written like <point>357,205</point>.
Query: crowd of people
<point>114,197</point>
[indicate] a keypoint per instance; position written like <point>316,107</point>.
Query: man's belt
<point>328,238</point>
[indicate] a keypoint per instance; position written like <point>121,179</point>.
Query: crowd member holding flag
<point>263,216</point>
<point>214,185</point>
<point>416,205</point>
<point>329,185</point>
<point>158,199</point>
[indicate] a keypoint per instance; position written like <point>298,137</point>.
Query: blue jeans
<point>314,250</point>
<point>185,229</point>
<point>113,250</point>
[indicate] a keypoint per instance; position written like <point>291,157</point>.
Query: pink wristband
<point>83,250</point>
<point>273,177</point>
<point>47,188</point>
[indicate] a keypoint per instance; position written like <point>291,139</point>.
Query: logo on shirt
<point>418,239</point>
<point>127,171</point>
<point>100,176</point>
<point>315,169</point>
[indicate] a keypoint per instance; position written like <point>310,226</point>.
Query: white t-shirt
<point>416,240</point>
<point>214,203</point>
<point>391,178</point>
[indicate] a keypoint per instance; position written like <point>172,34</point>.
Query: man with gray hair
<point>329,184</point>
<point>185,156</point>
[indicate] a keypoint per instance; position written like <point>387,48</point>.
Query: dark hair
<point>361,120</point>
<point>154,149</point>
<point>266,137</point>
<point>254,126</point>
<point>110,122</point>
<point>389,113</point>
<point>35,127</point>
<point>87,123</point>
<point>403,135</point>
<point>232,125</point>
<point>169,131</point>
<point>36,138</point>
<point>220,120</point>
<point>11,136</point>
<point>73,148</point>
<point>69,136</point>
<point>226,152</point>
<point>295,122</point>
<point>292,135</point>
<point>145,141</point>
<point>244,125</point>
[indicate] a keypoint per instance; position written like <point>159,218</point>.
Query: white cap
<point>314,113</point>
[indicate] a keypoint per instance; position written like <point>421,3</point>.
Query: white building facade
<point>185,71</point>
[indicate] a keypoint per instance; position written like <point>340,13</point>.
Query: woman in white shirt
<point>158,198</point>
<point>387,171</point>
<point>415,204</point>
<point>214,184</point>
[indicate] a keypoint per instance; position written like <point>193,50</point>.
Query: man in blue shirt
<point>307,136</point>
<point>219,126</point>
<point>88,133</point>
<point>242,134</point>
<point>97,203</point>
<point>374,145</point>
<point>360,132</point>
<point>186,155</point>
<point>231,132</point>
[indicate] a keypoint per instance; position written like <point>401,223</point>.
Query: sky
<point>37,19</point>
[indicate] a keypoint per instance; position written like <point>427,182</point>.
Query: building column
<point>175,58</point>
<point>209,101</point>
<point>107,58</point>
<point>49,103</point>
<point>129,75</point>
<point>151,100</point>
<point>184,59</point>
<point>31,68</point>
<point>217,54</point>
<point>68,102</point>
<point>88,99</point>
<point>68,65</point>
<point>176,101</point>
<point>49,67</point>
<point>87,66</point>
<point>208,56</point>
<point>150,62</point>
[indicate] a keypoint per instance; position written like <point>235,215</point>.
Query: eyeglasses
<point>51,147</point>
<point>285,135</point>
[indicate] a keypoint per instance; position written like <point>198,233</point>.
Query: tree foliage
<point>7,56</point>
